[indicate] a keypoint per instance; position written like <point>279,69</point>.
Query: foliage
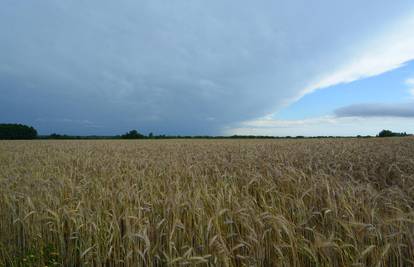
<point>17,131</point>
<point>298,202</point>
<point>388,133</point>
<point>133,134</point>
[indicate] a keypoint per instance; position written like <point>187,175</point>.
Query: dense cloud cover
<point>175,67</point>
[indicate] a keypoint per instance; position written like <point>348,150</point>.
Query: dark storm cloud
<point>377,110</point>
<point>187,67</point>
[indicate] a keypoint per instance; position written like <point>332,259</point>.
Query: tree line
<point>20,131</point>
<point>10,131</point>
<point>388,133</point>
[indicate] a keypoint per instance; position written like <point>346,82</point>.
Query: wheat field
<point>327,202</point>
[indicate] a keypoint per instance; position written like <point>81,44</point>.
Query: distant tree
<point>151,135</point>
<point>17,131</point>
<point>388,133</point>
<point>385,133</point>
<point>133,134</point>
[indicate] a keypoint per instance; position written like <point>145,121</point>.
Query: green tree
<point>17,131</point>
<point>133,134</point>
<point>388,133</point>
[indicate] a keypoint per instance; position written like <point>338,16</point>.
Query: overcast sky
<point>207,67</point>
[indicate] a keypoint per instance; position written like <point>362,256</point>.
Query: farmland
<point>327,202</point>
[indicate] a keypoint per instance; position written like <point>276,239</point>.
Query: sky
<point>217,67</point>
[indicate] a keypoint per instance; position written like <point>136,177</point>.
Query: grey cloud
<point>377,110</point>
<point>170,66</point>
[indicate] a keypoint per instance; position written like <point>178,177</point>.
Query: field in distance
<point>327,202</point>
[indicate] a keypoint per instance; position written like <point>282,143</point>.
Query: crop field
<point>326,202</point>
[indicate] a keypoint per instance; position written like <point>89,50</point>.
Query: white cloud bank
<point>186,67</point>
<point>323,126</point>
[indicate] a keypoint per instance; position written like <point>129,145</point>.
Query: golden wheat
<point>330,202</point>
